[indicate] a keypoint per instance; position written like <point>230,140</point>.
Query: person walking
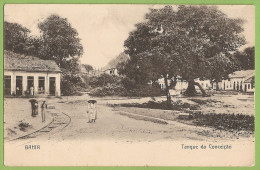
<point>91,111</point>
<point>43,107</point>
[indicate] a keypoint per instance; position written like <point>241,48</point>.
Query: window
<point>248,86</point>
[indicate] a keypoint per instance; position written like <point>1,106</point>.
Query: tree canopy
<point>60,41</point>
<point>15,37</point>
<point>182,41</point>
<point>245,60</point>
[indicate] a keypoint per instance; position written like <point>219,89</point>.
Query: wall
<point>36,75</point>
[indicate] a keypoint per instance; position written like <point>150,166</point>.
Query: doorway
<point>52,85</point>
<point>30,85</point>
<point>19,85</point>
<point>7,85</point>
<point>41,84</point>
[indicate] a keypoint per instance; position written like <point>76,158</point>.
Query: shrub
<point>226,121</point>
<point>145,91</point>
<point>71,84</point>
<point>103,80</point>
<point>109,90</point>
<point>163,105</point>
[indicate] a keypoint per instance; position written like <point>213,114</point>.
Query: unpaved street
<point>113,138</point>
<point>110,125</point>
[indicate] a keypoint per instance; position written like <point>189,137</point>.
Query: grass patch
<point>201,102</point>
<point>230,122</point>
<point>178,105</point>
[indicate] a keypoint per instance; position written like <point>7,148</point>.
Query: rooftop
<point>18,62</point>
<point>242,74</point>
<point>250,79</point>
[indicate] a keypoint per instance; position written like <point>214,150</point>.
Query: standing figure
<point>33,106</point>
<point>43,107</point>
<point>31,91</point>
<point>91,111</point>
<point>36,107</point>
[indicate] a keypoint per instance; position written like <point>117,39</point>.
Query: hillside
<point>122,57</point>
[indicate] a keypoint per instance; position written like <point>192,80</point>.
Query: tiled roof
<point>242,74</point>
<point>249,80</point>
<point>17,62</point>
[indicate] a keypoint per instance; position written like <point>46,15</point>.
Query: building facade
<point>243,81</point>
<point>27,75</point>
<point>111,71</point>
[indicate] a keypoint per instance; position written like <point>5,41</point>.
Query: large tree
<point>182,42</point>
<point>245,59</point>
<point>15,37</point>
<point>60,41</point>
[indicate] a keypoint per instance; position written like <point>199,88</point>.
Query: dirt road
<point>103,142</point>
<point>110,125</point>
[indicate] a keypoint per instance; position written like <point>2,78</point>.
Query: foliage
<point>178,105</point>
<point>60,41</point>
<point>220,66</point>
<point>226,121</point>
<point>180,42</point>
<point>109,90</point>
<point>245,60</point>
<point>15,37</point>
<point>87,67</point>
<point>144,91</point>
<point>121,58</point>
<point>71,84</point>
<point>103,80</point>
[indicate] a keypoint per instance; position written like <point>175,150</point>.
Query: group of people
<point>91,109</point>
<point>35,108</point>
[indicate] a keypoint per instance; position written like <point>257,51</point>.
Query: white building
<point>111,71</point>
<point>183,85</point>
<point>240,81</point>
<point>25,74</point>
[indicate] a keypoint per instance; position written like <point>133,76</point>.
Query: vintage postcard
<point>129,85</point>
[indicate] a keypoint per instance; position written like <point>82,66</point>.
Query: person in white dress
<point>91,111</point>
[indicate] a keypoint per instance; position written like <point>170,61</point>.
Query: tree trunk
<point>201,89</point>
<point>168,95</point>
<point>173,83</point>
<point>190,91</point>
<point>217,87</point>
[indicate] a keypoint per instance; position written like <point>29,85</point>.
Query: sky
<point>104,28</point>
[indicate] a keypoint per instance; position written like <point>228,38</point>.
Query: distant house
<point>183,84</point>
<point>240,81</point>
<point>243,81</point>
<point>111,71</point>
<point>23,74</point>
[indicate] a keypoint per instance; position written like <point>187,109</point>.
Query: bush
<point>145,91</point>
<point>225,121</point>
<point>109,90</point>
<point>103,80</point>
<point>163,105</point>
<point>71,84</point>
<point>128,83</point>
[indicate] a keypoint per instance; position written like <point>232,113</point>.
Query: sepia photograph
<point>129,85</point>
